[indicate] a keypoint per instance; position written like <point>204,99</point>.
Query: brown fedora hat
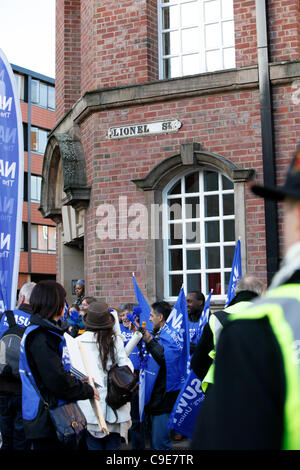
<point>98,317</point>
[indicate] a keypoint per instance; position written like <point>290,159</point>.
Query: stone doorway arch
<point>65,198</point>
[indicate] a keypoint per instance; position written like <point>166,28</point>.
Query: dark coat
<point>244,410</point>
<point>53,381</point>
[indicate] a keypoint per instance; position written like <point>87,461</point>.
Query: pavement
<point>183,444</point>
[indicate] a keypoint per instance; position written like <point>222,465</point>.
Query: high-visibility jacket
<point>282,307</point>
<point>216,324</point>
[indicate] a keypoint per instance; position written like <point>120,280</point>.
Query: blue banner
<point>236,273</point>
<point>148,367</point>
<point>187,406</point>
<point>191,396</point>
<point>145,309</point>
<point>204,317</point>
<point>134,356</point>
<point>175,338</point>
<point>11,185</point>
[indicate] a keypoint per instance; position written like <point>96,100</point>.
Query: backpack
<point>10,348</point>
<point>122,385</point>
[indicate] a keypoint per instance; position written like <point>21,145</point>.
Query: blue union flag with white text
<point>236,273</point>
<point>176,341</point>
<point>11,184</point>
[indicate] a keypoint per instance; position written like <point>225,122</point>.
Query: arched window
<point>201,197</point>
<point>199,233</point>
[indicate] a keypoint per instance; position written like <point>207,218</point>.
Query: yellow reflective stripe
<point>287,290</point>
<point>239,307</point>
<point>209,378</point>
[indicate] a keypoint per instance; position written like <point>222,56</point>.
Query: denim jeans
<point>110,442</point>
<point>11,423</point>
<point>160,433</point>
<point>137,431</point>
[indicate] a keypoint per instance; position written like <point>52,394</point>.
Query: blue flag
<point>11,185</point>
<point>145,309</point>
<point>189,401</point>
<point>148,366</point>
<point>236,273</point>
<point>175,338</point>
<point>65,311</point>
<point>191,396</point>
<point>204,316</point>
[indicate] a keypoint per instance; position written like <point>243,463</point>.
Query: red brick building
<point>166,112</point>
<point>38,245</point>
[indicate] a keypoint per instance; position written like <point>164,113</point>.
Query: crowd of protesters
<point>246,359</point>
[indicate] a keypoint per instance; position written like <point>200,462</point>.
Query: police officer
<point>255,400</point>
<point>11,422</point>
<point>248,288</point>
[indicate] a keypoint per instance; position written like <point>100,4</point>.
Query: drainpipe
<point>271,223</point>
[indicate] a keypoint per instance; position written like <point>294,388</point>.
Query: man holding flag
<point>164,369</point>
<point>161,400</point>
<point>248,288</point>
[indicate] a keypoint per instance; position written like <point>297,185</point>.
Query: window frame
<point>37,183</point>
<point>38,130</point>
<point>202,243</point>
<point>37,102</point>
<point>20,85</point>
<point>202,51</point>
<point>39,250</point>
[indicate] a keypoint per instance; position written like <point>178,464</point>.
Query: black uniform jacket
<point>53,381</point>
<point>244,408</point>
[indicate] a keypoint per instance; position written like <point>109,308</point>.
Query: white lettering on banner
<point>136,130</point>
<point>3,277</point>
<point>8,135</point>
<point>4,241</point>
<point>176,321</point>
<point>5,104</point>
<point>189,394</point>
<point>6,170</point>
<point>7,205</point>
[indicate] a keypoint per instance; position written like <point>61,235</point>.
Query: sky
<point>27,34</point>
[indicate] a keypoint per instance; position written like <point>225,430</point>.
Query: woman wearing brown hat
<point>101,341</point>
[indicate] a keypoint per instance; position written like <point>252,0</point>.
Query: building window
<point>24,237</point>
<point>199,233</point>
<point>38,140</point>
<point>42,94</point>
<point>195,36</point>
<point>36,184</point>
<point>43,238</point>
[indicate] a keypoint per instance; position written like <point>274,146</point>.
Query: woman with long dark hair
<point>102,342</point>
<point>44,366</point>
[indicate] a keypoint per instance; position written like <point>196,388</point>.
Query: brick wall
<point>214,121</point>
<point>283,29</point>
<point>68,55</point>
<point>115,51</point>
<point>284,32</point>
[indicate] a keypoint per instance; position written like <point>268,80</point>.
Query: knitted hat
<point>98,317</point>
<point>80,282</point>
